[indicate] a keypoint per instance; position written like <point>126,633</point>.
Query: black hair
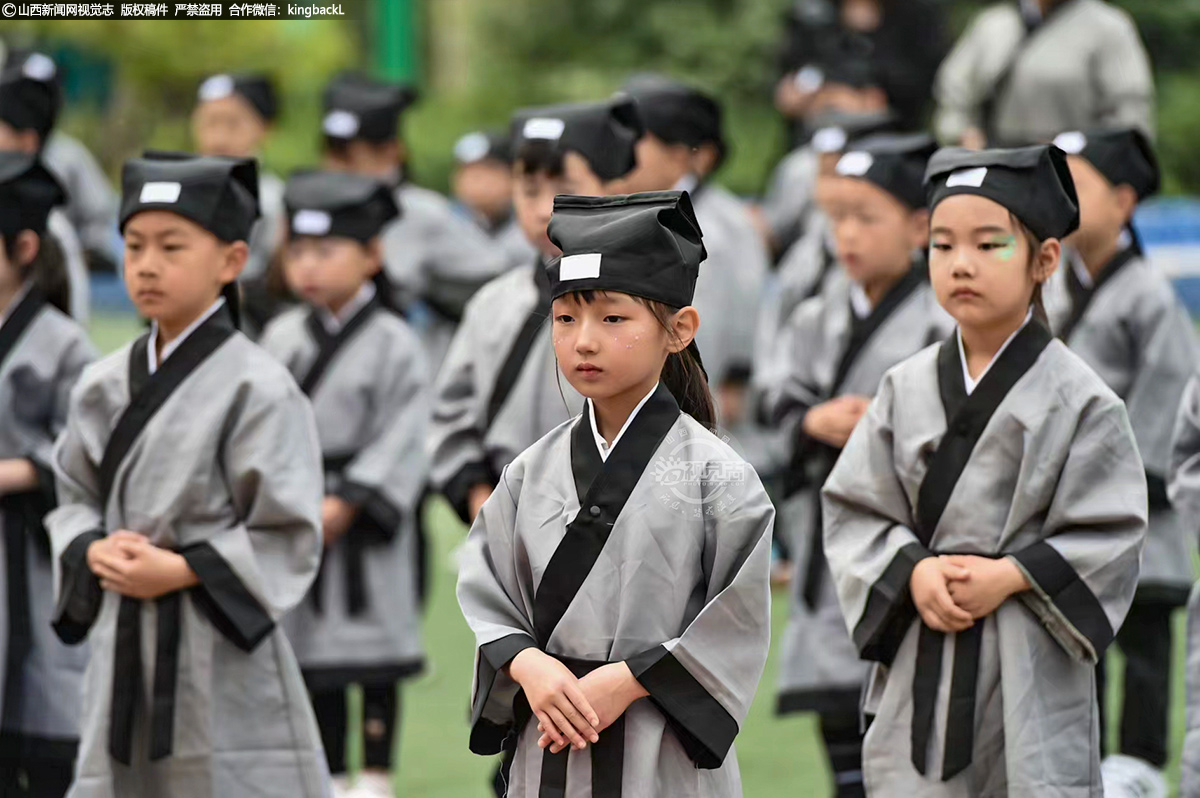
<point>48,269</point>
<point>539,156</point>
<point>683,373</point>
<point>1035,245</point>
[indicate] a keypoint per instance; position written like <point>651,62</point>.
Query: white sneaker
<point>372,784</point>
<point>1130,777</point>
<point>341,787</point>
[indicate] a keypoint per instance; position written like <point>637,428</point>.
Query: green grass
<point>779,757</point>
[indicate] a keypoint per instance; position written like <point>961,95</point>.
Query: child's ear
<point>375,252</point>
<point>918,222</point>
<point>27,248</point>
<point>236,255</point>
<point>684,325</point>
<point>1127,200</point>
<point>1048,256</point>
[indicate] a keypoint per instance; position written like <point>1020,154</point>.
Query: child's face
<point>874,233</point>
<point>486,187</point>
<point>533,197</point>
<point>13,140</point>
<point>981,264</point>
<point>175,269</point>
<point>228,127</point>
<point>1103,208</point>
<point>327,272</point>
<point>610,345</point>
<point>659,165</point>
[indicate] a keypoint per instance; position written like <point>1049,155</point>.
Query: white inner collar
<point>169,349</point>
<point>969,383</point>
<point>860,303</point>
<point>334,322</point>
<point>602,445</point>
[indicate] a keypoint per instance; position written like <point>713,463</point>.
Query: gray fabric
<point>91,199</point>
<point>512,242</point>
<point>788,202</point>
<point>77,271</point>
<point>35,385</point>
<point>541,398</point>
<point>1057,463</point>
<point>730,286</point>
<point>1084,68</point>
<point>373,403</point>
<point>243,724</point>
<point>694,581</point>
<point>269,229</point>
<point>1139,338</point>
<point>434,254</point>
<point>816,652</point>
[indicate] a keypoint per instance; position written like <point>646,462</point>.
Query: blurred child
<point>365,372</point>
<point>483,184</point>
<point>189,481</point>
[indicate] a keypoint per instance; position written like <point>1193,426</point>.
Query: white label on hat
<point>855,164</point>
<point>340,124</point>
<point>809,79</point>
<point>471,148</point>
<point>311,223</point>
<point>579,267</point>
<point>160,192</point>
<point>39,67</point>
<point>544,128</point>
<point>971,178</point>
<point>829,139</point>
<point>218,87</point>
<point>1071,142</point>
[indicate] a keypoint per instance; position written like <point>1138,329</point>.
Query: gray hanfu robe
<point>659,557</point>
<point>42,354</point>
<point>788,202</point>
<point>195,694</point>
<point>1038,464</point>
<point>369,388</point>
<point>729,289</point>
<point>510,239</point>
<point>834,352</point>
<point>91,199</point>
<point>1184,490</point>
<point>1130,327</point>
<point>59,226</point>
<point>500,388</point>
<point>433,254</point>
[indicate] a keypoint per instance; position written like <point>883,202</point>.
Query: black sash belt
<point>608,754</point>
<point>20,623</point>
<point>354,559</point>
<point>960,714</point>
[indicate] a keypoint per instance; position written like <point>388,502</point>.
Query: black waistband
<point>127,677</point>
<point>354,560</point>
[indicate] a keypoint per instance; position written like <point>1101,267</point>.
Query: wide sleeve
<point>1084,572</point>
<point>869,538</point>
<point>78,520</point>
<point>1124,82</point>
<point>74,356</point>
<point>1183,475</point>
<point>704,680</point>
<point>252,573</point>
<point>497,607</point>
<point>386,478</point>
<point>459,421</point>
<point>958,89</point>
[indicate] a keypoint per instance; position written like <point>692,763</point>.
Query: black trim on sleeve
<point>1156,489</point>
<point>487,736</point>
<point>1056,578</point>
<point>225,601</point>
<point>457,489</point>
<point>704,727</point>
<point>889,610</point>
<point>80,595</point>
<point>499,653</point>
<point>378,518</point>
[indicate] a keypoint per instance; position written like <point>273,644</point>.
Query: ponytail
<point>686,379</point>
<point>47,270</point>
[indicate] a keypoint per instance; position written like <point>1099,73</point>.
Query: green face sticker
<point>1006,247</point>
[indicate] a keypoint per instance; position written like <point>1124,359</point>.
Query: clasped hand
<point>953,591</point>
<point>129,564</point>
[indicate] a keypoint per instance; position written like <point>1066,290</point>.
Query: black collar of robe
<point>604,133</point>
<point>219,194</point>
<point>603,487</point>
<point>329,345</point>
<point>1082,295</point>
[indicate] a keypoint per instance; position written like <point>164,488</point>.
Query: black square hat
<point>604,133</point>
<point>338,204</point>
<point>646,245</point>
<point>255,88</point>
<point>28,190</point>
<point>30,94</point>
<point>676,112</point>
<point>1034,183</point>
<point>483,145</point>
<point>834,131</point>
<point>1122,155</point>
<point>360,107</point>
<point>219,194</point>
<point>894,163</point>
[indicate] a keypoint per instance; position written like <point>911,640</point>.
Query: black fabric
<point>80,594</point>
<point>30,93</point>
<point>894,163</point>
<point>843,738</point>
<point>600,508</point>
<point>332,713</point>
<point>1082,296</point>
<point>329,677</point>
<point>127,678</point>
<point>702,725</point>
<point>380,713</point>
<point>224,599</point>
<point>1145,639</point>
<point>328,346</point>
<point>647,245</point>
<point>889,610</point>
<point>338,204</point>
<point>1055,577</point>
<point>219,194</point>
<point>256,89</point>
<point>1124,156</point>
<point>488,737</point>
<point>28,191</point>
<point>166,675</point>
<point>675,112</point>
<point>36,767</point>
<point>819,700</point>
<point>514,362</point>
<point>927,675</point>
<point>604,133</point>
<point>457,489</point>
<point>1034,183</point>
<point>360,107</point>
<point>484,145</point>
<point>20,622</point>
